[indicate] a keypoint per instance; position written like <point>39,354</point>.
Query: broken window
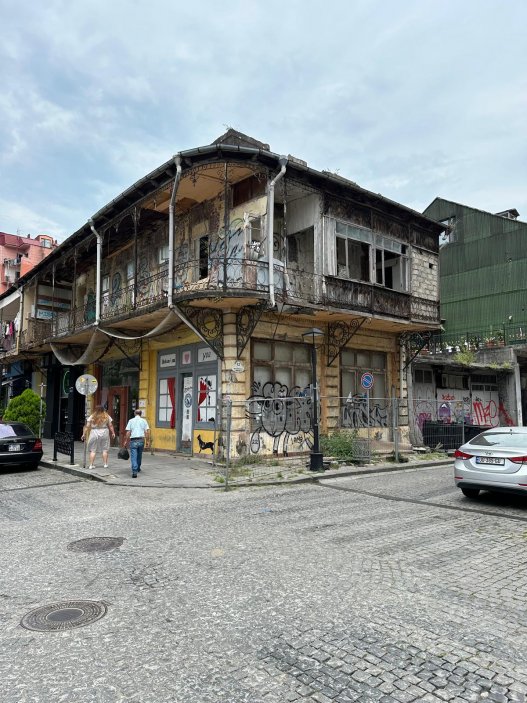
<point>391,264</point>
<point>448,235</point>
<point>300,249</point>
<point>256,238</point>
<point>365,256</point>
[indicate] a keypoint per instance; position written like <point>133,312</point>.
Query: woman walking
<point>100,426</point>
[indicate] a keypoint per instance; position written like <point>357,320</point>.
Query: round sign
<point>86,384</point>
<point>366,380</point>
<point>238,367</point>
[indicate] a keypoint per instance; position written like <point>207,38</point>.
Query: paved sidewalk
<point>166,470</point>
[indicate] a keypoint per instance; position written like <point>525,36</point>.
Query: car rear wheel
<point>470,492</point>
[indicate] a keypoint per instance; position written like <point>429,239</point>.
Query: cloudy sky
<point>409,98</point>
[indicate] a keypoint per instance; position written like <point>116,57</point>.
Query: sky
<point>412,99</point>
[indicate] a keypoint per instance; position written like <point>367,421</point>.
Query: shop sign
<point>205,354</point>
<point>167,361</point>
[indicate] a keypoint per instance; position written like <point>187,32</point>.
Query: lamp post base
<point>316,461</point>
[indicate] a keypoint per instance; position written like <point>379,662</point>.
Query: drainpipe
<point>270,228</point>
<point>98,275</point>
<point>172,207</point>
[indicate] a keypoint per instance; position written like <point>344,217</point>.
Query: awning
<point>10,305</point>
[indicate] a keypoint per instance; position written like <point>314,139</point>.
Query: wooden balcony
<point>375,300</point>
<point>234,278</point>
<point>35,332</point>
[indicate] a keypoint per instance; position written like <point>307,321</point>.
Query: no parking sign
<point>367,380</point>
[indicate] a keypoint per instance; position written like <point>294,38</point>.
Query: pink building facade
<point>18,255</point>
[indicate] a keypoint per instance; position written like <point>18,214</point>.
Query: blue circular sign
<point>366,380</point>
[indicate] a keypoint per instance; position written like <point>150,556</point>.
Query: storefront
<point>118,390</point>
<point>187,398</point>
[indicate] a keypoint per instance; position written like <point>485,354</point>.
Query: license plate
<point>489,460</point>
<point>14,447</point>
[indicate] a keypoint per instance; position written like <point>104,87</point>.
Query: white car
<point>495,460</point>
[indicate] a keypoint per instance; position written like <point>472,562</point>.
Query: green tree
<point>26,408</point>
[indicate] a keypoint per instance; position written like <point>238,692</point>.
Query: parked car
<point>19,446</point>
<point>494,460</point>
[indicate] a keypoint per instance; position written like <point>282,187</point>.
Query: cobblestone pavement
<point>265,595</point>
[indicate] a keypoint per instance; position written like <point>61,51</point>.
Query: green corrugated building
<point>483,296</point>
<point>483,267</point>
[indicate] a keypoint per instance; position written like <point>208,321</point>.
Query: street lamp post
<point>42,386</point>
<point>317,458</point>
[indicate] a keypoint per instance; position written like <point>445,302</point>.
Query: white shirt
<point>137,427</point>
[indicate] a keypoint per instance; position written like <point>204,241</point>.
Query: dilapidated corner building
<point>196,285</point>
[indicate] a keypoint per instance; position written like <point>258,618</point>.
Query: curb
<point>81,473</point>
<point>75,470</point>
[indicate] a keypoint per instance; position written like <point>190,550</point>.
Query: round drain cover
<point>96,544</point>
<point>64,616</point>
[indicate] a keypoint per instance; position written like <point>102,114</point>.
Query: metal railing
<point>477,340</point>
<point>446,424</point>
<point>36,332</point>
<point>219,276</point>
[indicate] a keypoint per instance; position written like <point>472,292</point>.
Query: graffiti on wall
<point>281,418</point>
<point>356,414</point>
<point>484,410</point>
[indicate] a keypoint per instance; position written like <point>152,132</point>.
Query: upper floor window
<point>363,255</point>
<point>448,235</point>
<point>163,254</point>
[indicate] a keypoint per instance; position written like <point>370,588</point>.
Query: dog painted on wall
<point>205,445</point>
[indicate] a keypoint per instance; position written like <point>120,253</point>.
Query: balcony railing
<point>478,340</point>
<point>36,332</point>
<point>224,277</point>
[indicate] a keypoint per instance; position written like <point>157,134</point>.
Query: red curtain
<point>172,394</point>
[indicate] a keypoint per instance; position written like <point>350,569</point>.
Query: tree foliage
<point>26,408</point>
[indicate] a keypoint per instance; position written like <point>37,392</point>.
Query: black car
<point>19,446</point>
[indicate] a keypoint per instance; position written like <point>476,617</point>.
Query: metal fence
<point>446,424</point>
<point>265,437</point>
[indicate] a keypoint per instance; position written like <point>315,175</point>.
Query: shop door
<point>186,399</point>
<point>118,411</point>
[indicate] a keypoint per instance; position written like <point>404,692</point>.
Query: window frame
<point>378,246</point>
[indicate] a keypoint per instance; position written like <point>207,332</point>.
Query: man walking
<point>137,436</point>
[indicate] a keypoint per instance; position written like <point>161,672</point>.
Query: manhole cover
<point>64,616</point>
<point>96,544</point>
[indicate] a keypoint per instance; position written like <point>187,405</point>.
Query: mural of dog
<point>205,445</point>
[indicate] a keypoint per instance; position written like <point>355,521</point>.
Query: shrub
<point>25,408</point>
<point>340,445</point>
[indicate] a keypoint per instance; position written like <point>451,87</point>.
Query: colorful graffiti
<point>280,415</point>
<point>451,410</point>
<point>206,398</point>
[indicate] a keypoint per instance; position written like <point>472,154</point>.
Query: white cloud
<point>407,98</point>
<point>20,219</point>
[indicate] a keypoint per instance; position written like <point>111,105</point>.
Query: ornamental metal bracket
<point>128,348</point>
<point>414,343</point>
<point>207,323</point>
<point>246,320</point>
<point>339,334</point>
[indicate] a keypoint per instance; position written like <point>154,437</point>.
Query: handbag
<point>123,453</point>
